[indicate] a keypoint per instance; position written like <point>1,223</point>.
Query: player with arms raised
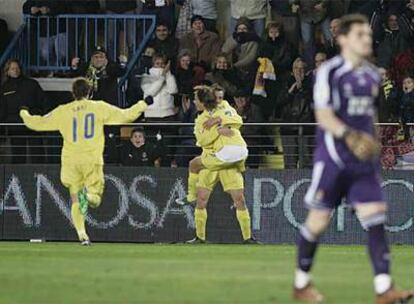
<point>81,124</point>
<point>346,160</point>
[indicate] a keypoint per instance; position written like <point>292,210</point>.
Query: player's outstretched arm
<point>47,122</point>
<point>115,115</point>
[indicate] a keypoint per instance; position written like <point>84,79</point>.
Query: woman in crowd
<point>223,74</point>
<point>18,91</point>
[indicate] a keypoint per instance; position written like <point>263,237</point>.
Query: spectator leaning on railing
<point>407,104</point>
<point>138,152</point>
<point>19,91</point>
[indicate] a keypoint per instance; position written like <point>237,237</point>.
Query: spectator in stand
<point>254,10</point>
<point>393,38</point>
<point>163,9</point>
<point>294,103</point>
<point>282,10</point>
<point>161,84</point>
<point>388,101</point>
<point>320,57</point>
<point>332,48</point>
<point>225,75</point>
<point>164,42</point>
<point>208,10</point>
<point>138,152</point>
<point>278,49</point>
<point>102,73</point>
<point>202,44</point>
<point>52,45</point>
<point>4,35</point>
<point>312,13</point>
<point>250,114</point>
<point>126,7</point>
<point>18,91</point>
<point>409,12</point>
<point>407,104</point>
<point>242,49</point>
<point>187,74</point>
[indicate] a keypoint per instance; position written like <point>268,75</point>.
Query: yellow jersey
<point>209,139</point>
<point>81,124</point>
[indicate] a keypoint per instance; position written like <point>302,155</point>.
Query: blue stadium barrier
<point>48,43</point>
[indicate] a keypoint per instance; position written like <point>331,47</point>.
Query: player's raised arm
<point>115,115</point>
<point>48,122</point>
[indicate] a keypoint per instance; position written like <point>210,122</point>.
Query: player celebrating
<point>346,160</point>
<point>223,159</point>
<point>81,124</point>
<point>195,165</point>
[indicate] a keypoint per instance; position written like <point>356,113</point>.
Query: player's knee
<point>239,200</point>
<point>195,165</point>
<point>371,215</point>
<point>202,199</point>
<point>317,221</point>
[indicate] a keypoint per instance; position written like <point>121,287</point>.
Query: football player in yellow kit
<point>223,159</point>
<point>195,165</point>
<point>81,124</point>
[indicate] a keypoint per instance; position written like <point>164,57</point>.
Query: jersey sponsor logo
<point>361,105</point>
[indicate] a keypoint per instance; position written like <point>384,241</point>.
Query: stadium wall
<point>139,206</point>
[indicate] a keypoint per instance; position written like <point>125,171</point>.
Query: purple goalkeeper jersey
<point>351,92</point>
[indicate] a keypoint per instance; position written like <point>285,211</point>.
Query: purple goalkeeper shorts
<point>330,184</point>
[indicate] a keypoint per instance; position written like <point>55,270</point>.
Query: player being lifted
<point>346,160</point>
<point>81,124</point>
<point>195,165</point>
<point>223,159</point>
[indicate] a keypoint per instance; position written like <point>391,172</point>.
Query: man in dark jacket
<point>282,9</point>
<point>393,37</point>
<point>164,43</point>
<point>137,152</point>
<point>102,73</point>
<point>295,105</point>
<point>19,91</point>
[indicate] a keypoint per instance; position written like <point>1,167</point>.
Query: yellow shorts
<point>212,163</point>
<point>231,179</point>
<point>76,176</point>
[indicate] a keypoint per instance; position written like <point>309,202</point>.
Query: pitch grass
<point>130,273</point>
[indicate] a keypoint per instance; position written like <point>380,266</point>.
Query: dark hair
<point>274,24</point>
<point>207,97</point>
<point>81,88</point>
<point>196,18</point>
<point>137,130</point>
<point>347,21</point>
<point>163,23</point>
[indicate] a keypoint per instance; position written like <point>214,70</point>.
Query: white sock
<point>302,279</point>
<point>382,283</point>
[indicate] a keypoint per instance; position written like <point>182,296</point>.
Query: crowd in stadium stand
<point>265,62</point>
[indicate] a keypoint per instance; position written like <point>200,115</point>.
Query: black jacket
<point>167,47</point>
<point>16,93</point>
<point>143,156</point>
<point>107,79</point>
<point>296,107</point>
<point>280,52</point>
<point>120,6</point>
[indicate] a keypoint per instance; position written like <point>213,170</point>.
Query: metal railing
<point>276,145</point>
<point>48,43</point>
